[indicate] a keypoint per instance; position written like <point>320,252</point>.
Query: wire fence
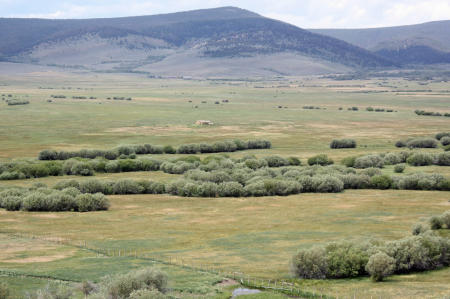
<point>281,286</point>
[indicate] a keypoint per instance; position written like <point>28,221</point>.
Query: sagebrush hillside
<point>223,40</point>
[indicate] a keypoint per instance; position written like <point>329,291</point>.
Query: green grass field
<point>254,236</point>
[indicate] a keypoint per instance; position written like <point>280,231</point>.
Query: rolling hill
<point>426,43</point>
<point>209,42</point>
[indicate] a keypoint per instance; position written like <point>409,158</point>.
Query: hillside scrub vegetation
<point>144,149</point>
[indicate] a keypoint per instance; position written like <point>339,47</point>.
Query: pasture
<point>254,236</point>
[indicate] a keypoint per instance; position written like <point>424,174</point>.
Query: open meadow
<point>216,236</point>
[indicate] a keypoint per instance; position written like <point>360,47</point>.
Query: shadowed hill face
<point>17,34</point>
<point>414,44</point>
<point>221,32</point>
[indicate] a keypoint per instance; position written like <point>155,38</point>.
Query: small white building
<point>204,123</point>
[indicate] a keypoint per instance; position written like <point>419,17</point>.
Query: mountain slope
<point>414,44</point>
<point>138,43</point>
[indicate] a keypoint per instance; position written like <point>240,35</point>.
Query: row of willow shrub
<point>430,113</point>
<point>15,102</point>
<point>240,181</point>
<point>425,251</point>
<point>413,158</point>
<point>51,200</point>
<point>425,142</point>
<point>76,166</point>
<point>27,169</point>
<point>122,186</point>
<point>343,143</point>
<point>125,150</point>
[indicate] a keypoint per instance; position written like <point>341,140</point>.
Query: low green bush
<point>382,182</point>
<point>369,161</point>
<point>399,168</point>
<point>320,160</point>
<point>349,161</point>
<point>91,202</point>
<point>421,159</point>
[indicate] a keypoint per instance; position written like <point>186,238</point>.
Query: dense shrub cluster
<point>421,252</point>
<point>51,200</point>
<point>343,143</point>
<point>429,113</point>
<point>127,150</point>
<point>321,159</point>
<point>369,161</point>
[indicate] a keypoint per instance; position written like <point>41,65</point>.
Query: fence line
<point>11,273</point>
<point>139,253</point>
<point>281,286</point>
